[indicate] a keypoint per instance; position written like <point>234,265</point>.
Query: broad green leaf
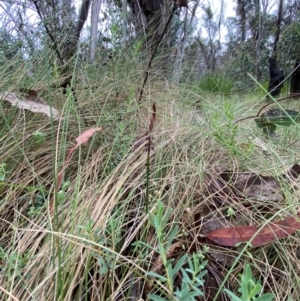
<point>265,297</point>
<point>171,237</point>
<point>248,273</point>
<point>200,292</point>
<point>233,296</point>
<point>244,289</point>
<point>255,290</point>
<point>186,296</point>
<point>156,275</point>
<point>199,280</point>
<point>268,120</point>
<point>2,176</point>
<point>156,298</point>
<point>179,264</point>
<point>185,276</point>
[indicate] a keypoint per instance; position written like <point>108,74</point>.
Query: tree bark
<point>278,27</point>
<point>61,30</point>
<point>241,12</point>
<point>181,47</point>
<point>258,34</point>
<point>147,17</point>
<point>96,6</point>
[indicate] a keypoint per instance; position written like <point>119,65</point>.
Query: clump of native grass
<point>99,242</point>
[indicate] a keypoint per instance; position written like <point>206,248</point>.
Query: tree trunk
<point>124,12</point>
<point>241,12</point>
<point>94,28</point>
<point>60,28</point>
<point>278,28</point>
<point>62,32</point>
<point>147,17</point>
<point>258,34</point>
<point>181,48</point>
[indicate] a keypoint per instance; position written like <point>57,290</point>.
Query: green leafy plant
<point>39,138</point>
<point>61,194</point>
<point>216,83</point>
<point>250,289</point>
<point>106,260</point>
<point>15,262</point>
<point>192,273</point>
<point>226,132</point>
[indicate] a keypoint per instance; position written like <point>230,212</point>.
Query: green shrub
<point>216,83</point>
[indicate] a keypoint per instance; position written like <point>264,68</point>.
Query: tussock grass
<point>99,243</point>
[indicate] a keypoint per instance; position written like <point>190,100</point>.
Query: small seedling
<point>39,138</point>
<point>250,288</point>
<point>230,212</point>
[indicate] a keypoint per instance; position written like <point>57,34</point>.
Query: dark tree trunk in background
<point>152,21</point>
<point>258,38</point>
<point>144,11</point>
<point>63,32</point>
<point>148,17</point>
<point>278,27</point>
<point>295,80</point>
<point>276,78</point>
<point>241,12</point>
<point>58,18</point>
<point>95,11</point>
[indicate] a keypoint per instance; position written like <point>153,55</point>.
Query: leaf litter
<point>252,191</point>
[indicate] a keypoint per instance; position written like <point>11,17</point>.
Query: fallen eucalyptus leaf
<point>268,120</point>
<point>25,103</point>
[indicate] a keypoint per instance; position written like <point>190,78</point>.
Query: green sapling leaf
<point>179,264</point>
<point>233,296</point>
<point>255,290</point>
<point>265,297</point>
<point>156,297</point>
<point>156,275</point>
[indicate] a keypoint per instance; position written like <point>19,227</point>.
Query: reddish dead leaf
<point>81,139</point>
<point>85,136</point>
<point>258,236</point>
